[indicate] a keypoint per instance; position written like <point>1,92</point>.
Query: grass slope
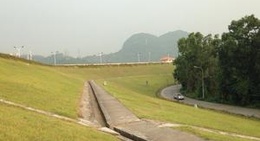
<point>53,89</point>
<point>141,99</point>
<point>40,87</point>
<point>17,124</point>
<point>44,88</point>
<point>57,89</point>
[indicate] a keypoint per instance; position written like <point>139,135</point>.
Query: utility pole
<point>202,79</point>
<point>138,57</point>
<point>100,57</point>
<point>79,56</point>
<point>18,54</point>
<point>54,58</point>
<point>149,56</point>
<point>29,57</point>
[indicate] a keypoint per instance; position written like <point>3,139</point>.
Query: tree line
<point>223,69</point>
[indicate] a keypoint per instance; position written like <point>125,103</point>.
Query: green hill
<point>145,47</point>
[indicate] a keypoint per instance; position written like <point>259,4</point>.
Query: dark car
<point>179,96</point>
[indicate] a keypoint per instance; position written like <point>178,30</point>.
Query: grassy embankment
<point>19,125</point>
<point>40,87</point>
<point>44,88</point>
<point>142,100</point>
<point>53,89</point>
<point>127,83</point>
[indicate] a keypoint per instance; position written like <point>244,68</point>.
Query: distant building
<point>167,59</point>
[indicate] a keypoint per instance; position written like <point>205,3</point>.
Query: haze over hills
<point>147,47</point>
<point>140,47</point>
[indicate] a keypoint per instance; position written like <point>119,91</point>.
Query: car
<point>179,97</point>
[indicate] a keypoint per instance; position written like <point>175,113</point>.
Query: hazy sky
<point>87,27</point>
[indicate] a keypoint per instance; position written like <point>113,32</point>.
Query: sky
<point>88,27</point>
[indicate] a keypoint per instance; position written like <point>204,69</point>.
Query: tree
<point>230,65</point>
<point>238,56</point>
<point>197,50</point>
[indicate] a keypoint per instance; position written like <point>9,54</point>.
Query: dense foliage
<point>226,68</point>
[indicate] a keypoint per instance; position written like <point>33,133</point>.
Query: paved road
<point>171,91</point>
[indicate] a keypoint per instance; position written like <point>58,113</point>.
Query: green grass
<point>18,124</point>
<point>145,84</point>
<point>53,89</point>
<point>211,135</point>
<point>139,98</point>
<point>58,89</point>
<point>39,87</point>
<point>107,72</point>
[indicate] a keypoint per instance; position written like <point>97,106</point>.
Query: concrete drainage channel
<point>112,114</point>
<point>96,109</point>
<point>101,114</point>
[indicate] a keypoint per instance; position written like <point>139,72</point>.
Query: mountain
<point>145,47</point>
<point>169,41</point>
<point>140,47</point>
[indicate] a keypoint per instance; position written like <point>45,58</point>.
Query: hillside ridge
<point>139,47</point>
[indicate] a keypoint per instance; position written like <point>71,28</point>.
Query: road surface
<point>171,91</point>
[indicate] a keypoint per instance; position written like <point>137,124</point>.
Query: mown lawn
<point>58,89</point>
<point>53,89</point>
<point>19,125</point>
<point>211,135</point>
<point>39,87</point>
<point>141,99</point>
